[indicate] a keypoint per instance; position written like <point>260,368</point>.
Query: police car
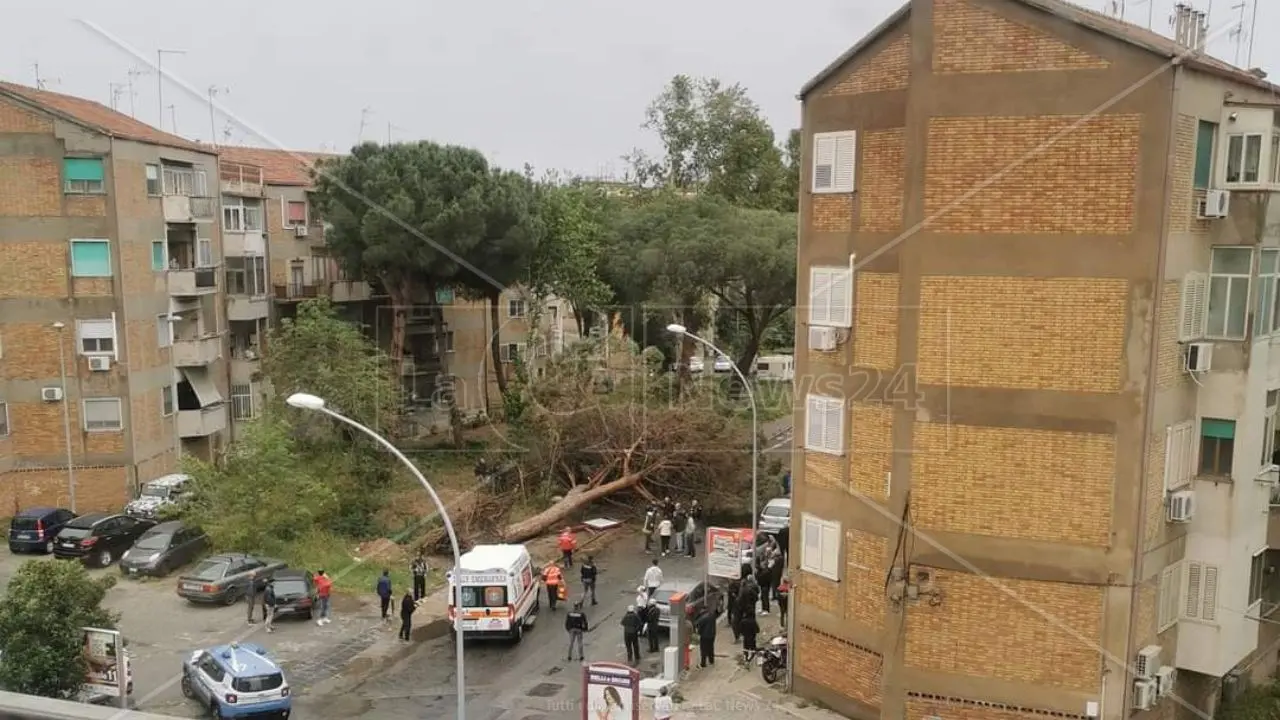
<point>237,681</point>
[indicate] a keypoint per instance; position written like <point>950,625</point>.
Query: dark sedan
<point>696,597</point>
<point>225,578</point>
<point>163,548</point>
<point>99,538</point>
<point>295,592</point>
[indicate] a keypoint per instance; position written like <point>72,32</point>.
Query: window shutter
<point>814,417</point>
<point>833,426</point>
<point>820,281</point>
<point>97,329</point>
<point>811,551</point>
<point>831,549</point>
<point>1191,320</point>
<point>824,161</point>
<point>1195,572</point>
<point>1170,455</point>
<point>840,313</point>
<point>846,149</point>
<point>1210,609</point>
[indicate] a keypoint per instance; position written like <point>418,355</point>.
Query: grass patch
<point>337,556</point>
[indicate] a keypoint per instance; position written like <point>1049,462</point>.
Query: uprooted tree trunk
<point>578,498</point>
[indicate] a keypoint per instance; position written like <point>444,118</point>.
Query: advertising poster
<point>105,658</point>
<point>610,692</point>
<point>724,553</point>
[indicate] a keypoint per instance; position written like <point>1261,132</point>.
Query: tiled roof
<point>97,117</point>
<point>279,167</point>
<point>1115,28</point>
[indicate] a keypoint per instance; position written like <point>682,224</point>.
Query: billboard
<point>610,692</point>
<point>107,661</point>
<point>724,553</point>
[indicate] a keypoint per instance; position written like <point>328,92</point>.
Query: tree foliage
<point>575,221</point>
<point>756,280</point>
<point>1260,702</point>
<point>44,609</point>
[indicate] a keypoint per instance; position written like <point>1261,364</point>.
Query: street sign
<point>108,664</point>
<point>610,692</point>
<point>724,553</point>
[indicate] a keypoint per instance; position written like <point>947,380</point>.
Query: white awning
<point>202,383</point>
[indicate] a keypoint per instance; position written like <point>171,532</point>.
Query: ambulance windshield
<point>488,596</point>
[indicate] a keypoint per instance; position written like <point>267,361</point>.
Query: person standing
<point>269,606</point>
<point>677,525</point>
<point>384,594</point>
<point>786,484</point>
<point>690,531</point>
<point>652,578</point>
<point>653,621</point>
<point>568,543</point>
<point>407,606</point>
<point>747,598</point>
<point>576,623</point>
<point>642,596</point>
<point>589,571</point>
<point>783,595</point>
<point>663,707</point>
<point>419,569</point>
<point>251,596</point>
<point>552,578</point>
<point>750,630</point>
<point>664,535</point>
<point>631,624</point>
<point>706,627</point>
<point>650,525</point>
<point>324,586</point>
<point>732,593</point>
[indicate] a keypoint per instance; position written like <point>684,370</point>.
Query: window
<point>164,330</point>
<point>1269,432</point>
<point>240,215</point>
<point>444,342</point>
<point>1193,314</point>
<point>1179,454</point>
<point>511,352</point>
<point>295,213</point>
<point>242,402</point>
<point>232,216</point>
<point>159,253</point>
<point>204,252</point>
<point>1217,446</point>
<point>834,159</point>
<point>4,419</point>
<point>1206,135</point>
<point>444,296</point>
<point>1170,596</point>
<point>1229,273</point>
<point>97,337</point>
<point>166,400</point>
<point>82,176</point>
<point>90,258</point>
<point>247,275</point>
<point>102,414</point>
<point>831,296</point>
<point>153,180</point>
<point>820,552</point>
<point>1201,599</point>
<point>1244,158</point>
<point>1275,157</point>
<point>252,216</point>
<point>1264,319</point>
<point>516,308</point>
<point>184,181</point>
<point>1257,579</point>
<point>824,424</point>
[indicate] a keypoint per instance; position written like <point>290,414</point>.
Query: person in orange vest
<point>568,543</point>
<point>555,584</point>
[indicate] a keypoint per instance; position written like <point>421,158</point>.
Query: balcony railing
<point>237,178</point>
<point>196,352</point>
<point>203,422</point>
<point>243,308</point>
<point>301,291</point>
<point>187,208</point>
<point>186,282</point>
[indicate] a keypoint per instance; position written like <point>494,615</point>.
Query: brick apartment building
<point>1063,378</point>
<point>110,309</point>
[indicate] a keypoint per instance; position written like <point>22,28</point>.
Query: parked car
<point>33,529</point>
<point>163,492</point>
<point>295,592</point>
<point>99,538</point>
<point>722,365</point>
<point>696,365</point>
<point>225,578</point>
<point>775,516</point>
<point>163,548</point>
<point>696,594</point>
<point>237,680</point>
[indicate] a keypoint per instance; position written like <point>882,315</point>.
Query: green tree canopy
<point>575,221</point>
<point>756,279</point>
<point>44,609</point>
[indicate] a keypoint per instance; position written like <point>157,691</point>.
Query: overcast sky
<point>560,84</point>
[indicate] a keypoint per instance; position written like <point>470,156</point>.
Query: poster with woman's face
<point>610,693</point>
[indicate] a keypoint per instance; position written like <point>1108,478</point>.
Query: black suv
<point>33,529</point>
<point>295,592</point>
<point>99,538</point>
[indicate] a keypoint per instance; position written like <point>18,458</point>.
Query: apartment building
<point>111,364</point>
<point>1040,250</point>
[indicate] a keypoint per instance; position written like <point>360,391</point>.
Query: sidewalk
<point>730,691</point>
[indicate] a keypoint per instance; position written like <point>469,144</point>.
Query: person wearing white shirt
<point>664,535</point>
<point>653,578</point>
<point>642,596</point>
<point>662,706</point>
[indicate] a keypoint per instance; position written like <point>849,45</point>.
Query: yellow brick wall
<point>97,488</point>
<point>30,187</point>
<point>31,350</point>
<point>1023,174</point>
<point>1153,486</point>
<point>833,212</point>
<point>824,471</point>
<point>148,424</point>
<point>93,287</point>
<point>881,186</point>
<point>1022,333</point>
<point>37,429</point>
<point>870,449</point>
<point>1182,169</point>
<point>848,669</point>
<point>863,580</point>
<point>1148,616</point>
<point>33,269</point>
<point>971,39</point>
<point>888,70</point>
<point>137,277</point>
<point>927,707</point>
<point>1013,483</point>
<point>157,466</point>
<point>144,346</point>
<point>86,205</point>
<point>818,592</point>
<point>956,636</point>
<point>15,119</point>
<point>1169,353</point>
<point>875,337</point>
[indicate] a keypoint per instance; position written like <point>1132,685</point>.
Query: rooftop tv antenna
<point>117,89</point>
<point>173,118</point>
<point>1253,25</point>
<point>1237,31</point>
<point>364,120</point>
<point>160,79</point>
<point>134,73</point>
<point>42,82</point>
<point>227,131</point>
<point>214,91</point>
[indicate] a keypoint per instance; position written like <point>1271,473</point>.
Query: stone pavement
<point>731,691</point>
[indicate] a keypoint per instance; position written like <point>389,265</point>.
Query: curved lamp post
<point>682,331</point>
<point>311,402</point>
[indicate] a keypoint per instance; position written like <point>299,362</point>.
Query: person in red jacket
<point>324,586</point>
<point>568,543</point>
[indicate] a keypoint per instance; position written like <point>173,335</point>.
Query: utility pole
<point>160,79</point>
<point>1253,26</point>
<point>1237,32</point>
<point>134,73</point>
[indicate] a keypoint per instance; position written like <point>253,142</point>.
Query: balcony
<point>197,352</point>
<point>247,308</point>
<point>187,209</point>
<point>346,291</point>
<point>193,282</point>
<point>203,422</point>
<point>239,179</point>
<point>294,292</point>
<point>245,370</point>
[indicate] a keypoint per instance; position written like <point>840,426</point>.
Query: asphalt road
<point>529,681</point>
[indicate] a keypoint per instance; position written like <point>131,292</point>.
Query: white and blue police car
<point>237,681</point>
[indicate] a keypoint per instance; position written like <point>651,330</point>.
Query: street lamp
<point>305,401</point>
<point>682,331</point>
<point>66,415</point>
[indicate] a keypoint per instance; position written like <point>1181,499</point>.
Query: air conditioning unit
<point>300,231</point>
<point>1216,204</point>
<point>822,338</point>
<point>1166,676</point>
<point>1182,506</point>
<point>1146,663</point>
<point>1198,357</point>
<point>99,363</point>
<point>51,394</point>
<point>1144,694</point>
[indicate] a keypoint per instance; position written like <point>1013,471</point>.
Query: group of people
<point>675,525</point>
<point>269,606</point>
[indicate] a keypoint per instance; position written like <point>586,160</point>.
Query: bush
<point>1260,702</point>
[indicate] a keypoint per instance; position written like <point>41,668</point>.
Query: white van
<point>498,589</point>
<point>776,367</point>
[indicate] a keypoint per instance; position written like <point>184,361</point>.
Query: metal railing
<point>185,181</point>
<point>241,175</point>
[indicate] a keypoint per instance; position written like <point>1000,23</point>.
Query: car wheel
<point>216,710</point>
<point>48,548</point>
<point>231,597</point>
<point>104,558</point>
<point>187,690</point>
<point>518,634</point>
<point>307,615</point>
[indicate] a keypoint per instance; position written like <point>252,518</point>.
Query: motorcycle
<point>773,659</point>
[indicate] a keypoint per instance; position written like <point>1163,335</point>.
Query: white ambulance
<point>495,589</point>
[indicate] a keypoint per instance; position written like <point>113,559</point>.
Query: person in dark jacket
<point>747,599</point>
<point>269,607</point>
<point>786,484</point>
<point>589,573</point>
<point>384,593</point>
<point>653,621</point>
<point>251,597</point>
<point>631,624</point>
<point>705,625</point>
<point>750,630</point>
<point>770,576</point>
<point>783,595</point>
<point>419,570</point>
<point>576,625</point>
<point>731,606</point>
<point>407,606</point>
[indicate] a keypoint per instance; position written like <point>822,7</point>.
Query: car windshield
<point>257,683</point>
<point>155,541</point>
<point>155,492</point>
<point>210,570</point>
<point>488,596</point>
<point>74,532</point>
<point>291,586</point>
<point>24,523</point>
<point>777,511</point>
